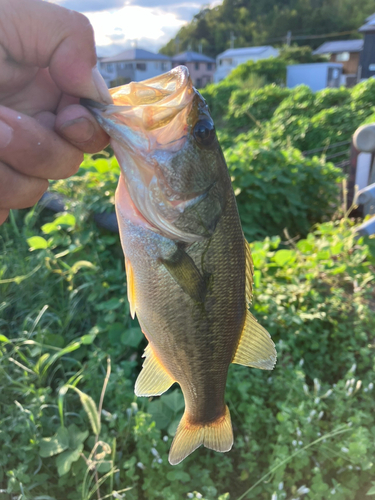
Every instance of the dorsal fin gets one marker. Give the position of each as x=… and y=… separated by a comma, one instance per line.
x=154, y=378
x=255, y=348
x=130, y=286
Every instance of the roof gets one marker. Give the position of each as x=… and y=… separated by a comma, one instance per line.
x=370, y=24
x=190, y=56
x=317, y=65
x=136, y=55
x=246, y=51
x=340, y=46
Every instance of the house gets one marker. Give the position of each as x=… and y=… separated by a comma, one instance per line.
x=133, y=65
x=201, y=67
x=317, y=76
x=346, y=52
x=231, y=58
x=367, y=59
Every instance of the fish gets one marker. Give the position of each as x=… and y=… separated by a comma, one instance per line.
x=188, y=266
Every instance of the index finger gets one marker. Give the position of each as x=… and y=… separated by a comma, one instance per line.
x=37, y=33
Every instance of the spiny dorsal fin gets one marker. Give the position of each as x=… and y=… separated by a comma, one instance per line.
x=183, y=270
x=153, y=379
x=256, y=348
x=216, y=435
x=130, y=286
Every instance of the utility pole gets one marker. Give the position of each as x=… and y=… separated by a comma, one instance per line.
x=200, y=47
x=289, y=38
x=232, y=39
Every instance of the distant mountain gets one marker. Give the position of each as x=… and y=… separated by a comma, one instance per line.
x=266, y=22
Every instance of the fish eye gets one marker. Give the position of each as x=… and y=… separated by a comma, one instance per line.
x=204, y=132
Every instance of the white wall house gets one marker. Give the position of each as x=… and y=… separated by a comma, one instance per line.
x=133, y=65
x=231, y=58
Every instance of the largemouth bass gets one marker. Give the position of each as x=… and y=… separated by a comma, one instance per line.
x=189, y=268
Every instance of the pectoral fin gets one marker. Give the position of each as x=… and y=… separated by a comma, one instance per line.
x=183, y=270
x=130, y=286
x=256, y=348
x=153, y=379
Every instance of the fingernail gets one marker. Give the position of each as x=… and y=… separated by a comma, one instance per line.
x=79, y=130
x=6, y=134
x=101, y=87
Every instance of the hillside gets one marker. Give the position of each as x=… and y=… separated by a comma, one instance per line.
x=267, y=22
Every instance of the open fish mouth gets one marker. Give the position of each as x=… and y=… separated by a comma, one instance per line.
x=150, y=114
x=149, y=122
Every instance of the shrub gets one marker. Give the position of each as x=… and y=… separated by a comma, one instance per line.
x=278, y=189
x=305, y=427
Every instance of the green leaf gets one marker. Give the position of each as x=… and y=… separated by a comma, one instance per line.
x=63, y=220
x=371, y=491
x=256, y=277
x=159, y=414
x=114, y=333
x=87, y=339
x=110, y=304
x=175, y=401
x=132, y=337
x=76, y=436
x=281, y=257
x=55, y=444
x=37, y=242
x=3, y=338
x=65, y=460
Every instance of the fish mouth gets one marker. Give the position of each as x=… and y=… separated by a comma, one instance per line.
x=152, y=114
x=147, y=117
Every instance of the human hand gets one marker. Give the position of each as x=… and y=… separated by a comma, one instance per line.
x=47, y=62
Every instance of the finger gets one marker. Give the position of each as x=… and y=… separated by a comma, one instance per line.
x=18, y=190
x=3, y=215
x=78, y=126
x=33, y=148
x=42, y=34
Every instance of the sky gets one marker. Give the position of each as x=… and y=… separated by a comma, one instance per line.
x=148, y=24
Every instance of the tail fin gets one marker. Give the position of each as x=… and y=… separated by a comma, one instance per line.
x=217, y=435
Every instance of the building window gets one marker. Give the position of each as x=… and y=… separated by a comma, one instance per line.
x=227, y=61
x=110, y=67
x=164, y=66
x=156, y=65
x=196, y=65
x=198, y=83
x=141, y=66
x=209, y=66
x=129, y=66
x=343, y=57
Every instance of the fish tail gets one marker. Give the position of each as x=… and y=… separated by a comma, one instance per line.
x=216, y=435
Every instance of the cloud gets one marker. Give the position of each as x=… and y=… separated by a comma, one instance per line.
x=91, y=5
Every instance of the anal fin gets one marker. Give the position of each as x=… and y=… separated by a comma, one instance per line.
x=255, y=348
x=216, y=435
x=153, y=379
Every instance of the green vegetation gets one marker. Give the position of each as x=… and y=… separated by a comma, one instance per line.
x=71, y=427
x=267, y=23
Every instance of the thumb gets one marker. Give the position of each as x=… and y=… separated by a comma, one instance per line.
x=37, y=33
